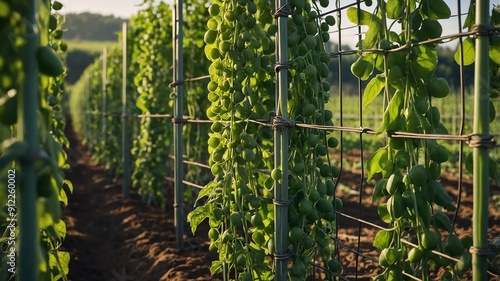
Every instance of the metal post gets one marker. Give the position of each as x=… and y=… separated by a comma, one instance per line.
x=88, y=117
x=178, y=113
x=125, y=144
x=104, y=82
x=28, y=132
x=281, y=150
x=481, y=153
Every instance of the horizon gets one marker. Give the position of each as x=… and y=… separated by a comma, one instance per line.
x=125, y=9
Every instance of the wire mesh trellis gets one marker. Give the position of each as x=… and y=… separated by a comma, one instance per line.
x=364, y=254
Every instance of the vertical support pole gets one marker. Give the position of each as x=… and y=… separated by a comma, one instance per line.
x=88, y=115
x=281, y=150
x=481, y=154
x=104, y=106
x=178, y=124
x=28, y=132
x=85, y=111
x=125, y=144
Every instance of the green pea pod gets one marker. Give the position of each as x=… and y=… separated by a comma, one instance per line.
x=48, y=62
x=442, y=197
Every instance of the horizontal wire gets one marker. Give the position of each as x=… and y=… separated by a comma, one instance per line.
x=411, y=276
x=401, y=239
x=341, y=8
x=170, y=179
x=192, y=184
x=342, y=29
x=172, y=157
x=199, y=121
x=365, y=130
x=414, y=44
x=328, y=270
x=196, y=164
x=197, y=78
x=340, y=244
x=343, y=53
x=152, y=115
x=360, y=220
x=181, y=82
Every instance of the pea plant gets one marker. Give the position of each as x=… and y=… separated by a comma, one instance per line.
x=416, y=201
x=154, y=56
x=241, y=45
x=52, y=188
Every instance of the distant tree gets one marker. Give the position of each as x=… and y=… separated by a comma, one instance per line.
x=93, y=27
x=450, y=70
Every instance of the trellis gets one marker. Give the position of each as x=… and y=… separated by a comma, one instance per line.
x=480, y=139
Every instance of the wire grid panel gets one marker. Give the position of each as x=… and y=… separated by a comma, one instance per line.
x=358, y=221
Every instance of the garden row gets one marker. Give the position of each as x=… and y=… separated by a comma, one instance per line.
x=259, y=119
x=33, y=158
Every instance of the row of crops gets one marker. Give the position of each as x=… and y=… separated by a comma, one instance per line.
x=32, y=185
x=261, y=123
x=250, y=121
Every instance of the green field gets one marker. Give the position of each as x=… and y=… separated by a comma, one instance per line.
x=91, y=46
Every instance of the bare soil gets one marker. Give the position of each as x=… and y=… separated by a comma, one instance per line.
x=112, y=239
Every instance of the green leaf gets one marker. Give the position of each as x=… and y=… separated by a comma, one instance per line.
x=59, y=264
x=69, y=184
x=197, y=216
x=207, y=190
x=384, y=213
x=495, y=51
x=372, y=34
x=382, y=239
x=394, y=8
x=495, y=16
x=63, y=197
x=373, y=165
x=425, y=63
x=471, y=15
x=216, y=267
x=378, y=190
x=60, y=226
x=392, y=113
x=363, y=67
x=365, y=18
x=436, y=9
x=468, y=53
x=373, y=89
x=44, y=217
x=141, y=104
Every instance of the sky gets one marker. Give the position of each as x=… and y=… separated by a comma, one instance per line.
x=127, y=8
x=118, y=8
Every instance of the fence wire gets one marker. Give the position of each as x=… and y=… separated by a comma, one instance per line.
x=344, y=246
